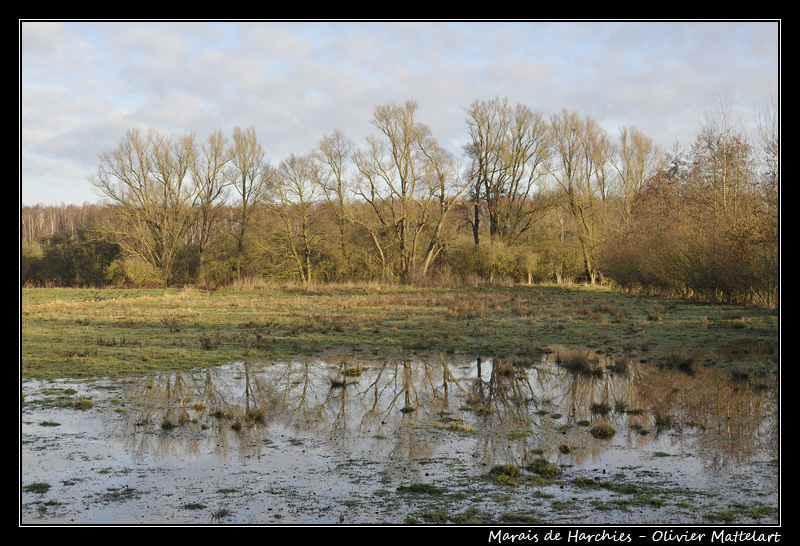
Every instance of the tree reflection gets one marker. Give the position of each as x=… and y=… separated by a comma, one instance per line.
x=512, y=409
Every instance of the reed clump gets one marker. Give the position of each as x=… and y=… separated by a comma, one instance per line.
x=582, y=362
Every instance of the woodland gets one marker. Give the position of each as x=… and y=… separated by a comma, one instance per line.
x=531, y=198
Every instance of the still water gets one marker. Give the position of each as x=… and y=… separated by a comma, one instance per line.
x=316, y=442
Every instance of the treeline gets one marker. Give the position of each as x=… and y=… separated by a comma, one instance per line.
x=529, y=199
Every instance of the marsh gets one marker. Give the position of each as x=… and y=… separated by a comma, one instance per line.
x=390, y=442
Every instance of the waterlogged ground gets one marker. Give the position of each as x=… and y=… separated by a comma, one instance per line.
x=312, y=442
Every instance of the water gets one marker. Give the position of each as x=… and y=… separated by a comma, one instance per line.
x=315, y=442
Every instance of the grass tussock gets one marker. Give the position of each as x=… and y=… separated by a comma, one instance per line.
x=681, y=362
x=37, y=487
x=507, y=474
x=603, y=431
x=547, y=469
x=581, y=362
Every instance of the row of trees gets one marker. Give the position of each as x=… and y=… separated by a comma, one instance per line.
x=531, y=198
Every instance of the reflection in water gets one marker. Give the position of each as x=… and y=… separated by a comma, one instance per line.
x=509, y=411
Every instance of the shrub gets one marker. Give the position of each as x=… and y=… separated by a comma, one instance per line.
x=131, y=272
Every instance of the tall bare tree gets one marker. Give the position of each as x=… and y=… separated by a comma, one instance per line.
x=444, y=188
x=211, y=184
x=293, y=197
x=404, y=177
x=335, y=156
x=508, y=149
x=638, y=158
x=722, y=162
x=579, y=167
x=769, y=149
x=146, y=179
x=250, y=177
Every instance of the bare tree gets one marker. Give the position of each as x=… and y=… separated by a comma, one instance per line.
x=722, y=162
x=250, y=177
x=211, y=184
x=579, y=168
x=638, y=158
x=146, y=179
x=444, y=189
x=334, y=156
x=404, y=178
x=294, y=195
x=769, y=146
x=508, y=149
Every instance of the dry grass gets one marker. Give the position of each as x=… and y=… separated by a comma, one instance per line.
x=580, y=361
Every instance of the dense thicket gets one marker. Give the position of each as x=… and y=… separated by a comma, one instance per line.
x=529, y=199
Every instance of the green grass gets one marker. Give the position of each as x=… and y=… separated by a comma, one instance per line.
x=505, y=475
x=37, y=487
x=420, y=488
x=92, y=333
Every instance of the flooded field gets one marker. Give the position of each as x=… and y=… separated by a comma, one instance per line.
x=535, y=441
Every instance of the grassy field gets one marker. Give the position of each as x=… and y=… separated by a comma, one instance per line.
x=92, y=333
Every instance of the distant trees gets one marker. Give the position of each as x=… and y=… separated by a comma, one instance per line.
x=57, y=249
x=538, y=199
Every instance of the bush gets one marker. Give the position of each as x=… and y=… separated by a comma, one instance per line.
x=492, y=261
x=130, y=271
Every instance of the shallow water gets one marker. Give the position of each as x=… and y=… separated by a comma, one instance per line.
x=314, y=442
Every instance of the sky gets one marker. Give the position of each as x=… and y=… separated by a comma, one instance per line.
x=84, y=84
